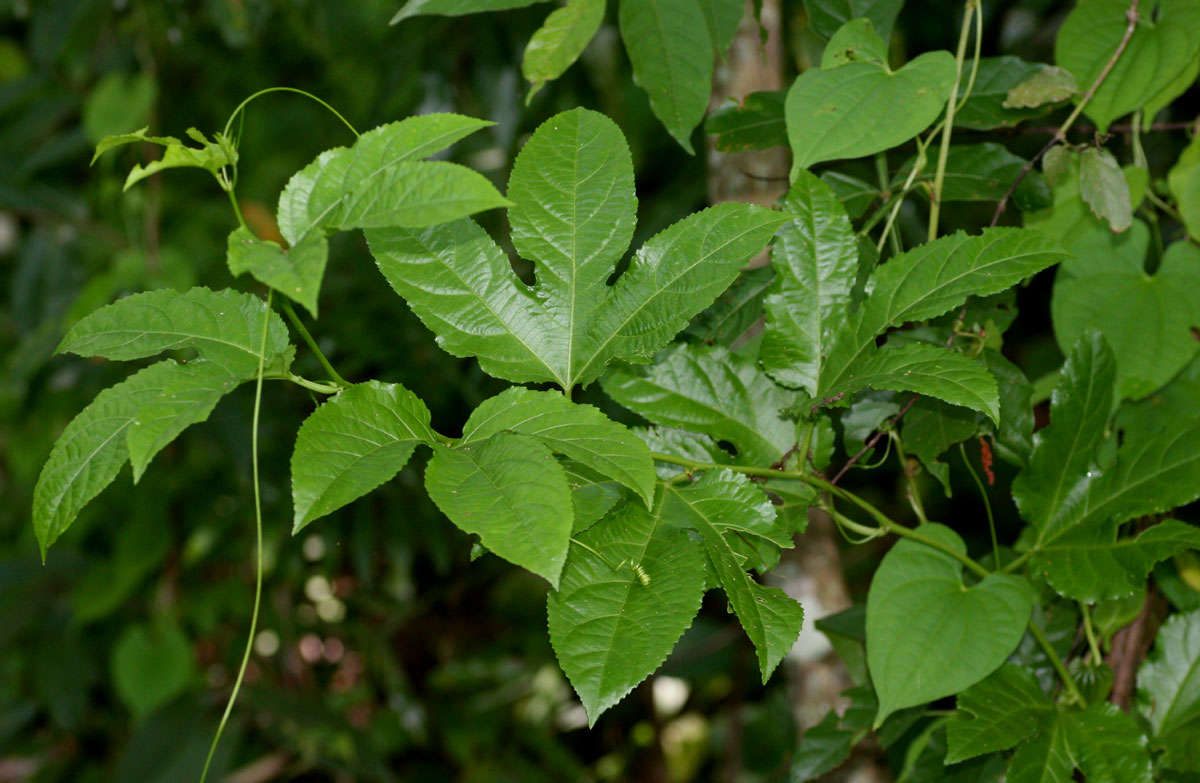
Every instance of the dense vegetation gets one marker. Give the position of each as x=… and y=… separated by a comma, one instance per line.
x=902, y=340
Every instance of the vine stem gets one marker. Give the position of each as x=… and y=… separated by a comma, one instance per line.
x=939, y=176
x=885, y=522
x=250, y=99
x=1060, y=135
x=1090, y=631
x=258, y=543
x=1057, y=663
x=305, y=335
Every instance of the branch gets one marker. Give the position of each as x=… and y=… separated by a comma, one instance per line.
x=1131, y=18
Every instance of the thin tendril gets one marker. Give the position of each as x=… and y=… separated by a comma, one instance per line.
x=241, y=106
x=258, y=543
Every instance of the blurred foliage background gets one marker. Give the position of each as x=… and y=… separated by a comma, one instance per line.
x=384, y=654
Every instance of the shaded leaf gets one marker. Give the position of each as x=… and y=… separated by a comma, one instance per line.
x=669, y=46
x=996, y=713
x=1169, y=680
x=296, y=273
x=826, y=16
x=723, y=18
x=150, y=666
x=1184, y=182
x=560, y=40
x=984, y=108
x=769, y=616
x=930, y=428
x=855, y=41
x=757, y=123
x=736, y=311
x=1048, y=85
x=456, y=7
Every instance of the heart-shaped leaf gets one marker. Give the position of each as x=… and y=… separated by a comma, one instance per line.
x=849, y=111
x=929, y=635
x=1147, y=319
x=1164, y=45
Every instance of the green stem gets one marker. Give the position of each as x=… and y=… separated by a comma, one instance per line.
x=1020, y=561
x=825, y=486
x=987, y=503
x=237, y=209
x=939, y=176
x=1056, y=662
x=290, y=312
x=914, y=496
x=319, y=388
x=879, y=214
x=1090, y=631
x=918, y=167
x=258, y=542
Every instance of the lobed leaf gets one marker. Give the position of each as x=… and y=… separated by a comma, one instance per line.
x=296, y=273
x=996, y=713
x=1169, y=680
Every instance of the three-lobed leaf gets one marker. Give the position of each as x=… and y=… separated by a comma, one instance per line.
x=575, y=212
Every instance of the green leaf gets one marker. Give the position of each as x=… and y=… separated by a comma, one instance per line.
x=815, y=259
x=118, y=102
x=769, y=616
x=296, y=273
x=1047, y=85
x=212, y=156
x=930, y=428
x=925, y=369
x=1014, y=435
x=378, y=182
x=984, y=108
x=714, y=392
x=1184, y=182
x=743, y=515
x=1091, y=564
x=757, y=123
x=924, y=283
x=574, y=216
x=826, y=16
x=677, y=273
x=723, y=18
x=1064, y=451
x=142, y=413
x=855, y=194
x=1147, y=319
x=736, y=311
x=593, y=495
x=1162, y=47
x=1101, y=741
x=579, y=432
x=855, y=41
x=1169, y=680
x=151, y=665
x=456, y=7
x=984, y=172
x=560, y=40
x=996, y=713
x=512, y=493
x=1102, y=187
x=610, y=628
x=353, y=443
x=847, y=111
x=669, y=46
x=928, y=635
x=224, y=327
x=825, y=746
x=186, y=395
